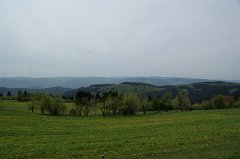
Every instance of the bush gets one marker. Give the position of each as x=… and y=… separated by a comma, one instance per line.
x=218, y=101
x=73, y=112
x=55, y=106
x=206, y=105
x=229, y=101
x=195, y=106
x=129, y=105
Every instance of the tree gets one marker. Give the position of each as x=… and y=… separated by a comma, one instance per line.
x=167, y=101
x=218, y=102
x=183, y=101
x=82, y=102
x=144, y=104
x=111, y=105
x=25, y=94
x=110, y=102
x=156, y=104
x=35, y=102
x=96, y=105
x=207, y=105
x=1, y=94
x=20, y=96
x=229, y=101
x=54, y=105
x=9, y=94
x=32, y=105
x=57, y=106
x=129, y=105
x=163, y=103
x=45, y=103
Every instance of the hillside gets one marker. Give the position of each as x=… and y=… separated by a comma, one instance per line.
x=203, y=90
x=197, y=91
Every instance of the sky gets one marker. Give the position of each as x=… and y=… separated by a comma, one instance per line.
x=112, y=38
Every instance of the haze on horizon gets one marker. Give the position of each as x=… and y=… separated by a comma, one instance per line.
x=177, y=38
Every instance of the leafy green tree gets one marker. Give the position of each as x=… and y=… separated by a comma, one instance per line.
x=110, y=100
x=54, y=105
x=167, y=101
x=163, y=103
x=112, y=104
x=144, y=104
x=1, y=94
x=57, y=106
x=156, y=104
x=183, y=101
x=83, y=102
x=35, y=102
x=218, y=102
x=96, y=105
x=33, y=105
x=45, y=103
x=129, y=105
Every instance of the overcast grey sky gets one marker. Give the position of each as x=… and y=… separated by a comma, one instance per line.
x=174, y=38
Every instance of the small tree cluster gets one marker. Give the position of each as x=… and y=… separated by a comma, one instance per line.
x=163, y=103
x=23, y=96
x=166, y=102
x=46, y=103
x=109, y=103
x=220, y=102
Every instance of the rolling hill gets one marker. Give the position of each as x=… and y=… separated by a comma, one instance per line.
x=77, y=82
x=197, y=91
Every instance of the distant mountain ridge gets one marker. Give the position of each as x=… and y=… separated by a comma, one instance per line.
x=51, y=90
x=77, y=82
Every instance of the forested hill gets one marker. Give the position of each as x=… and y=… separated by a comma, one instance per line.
x=197, y=91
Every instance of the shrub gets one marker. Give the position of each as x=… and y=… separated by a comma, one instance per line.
x=57, y=107
x=195, y=106
x=218, y=102
x=206, y=105
x=129, y=105
x=73, y=112
x=229, y=101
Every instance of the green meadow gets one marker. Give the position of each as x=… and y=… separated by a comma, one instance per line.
x=197, y=134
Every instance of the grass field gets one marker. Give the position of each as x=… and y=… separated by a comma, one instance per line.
x=197, y=134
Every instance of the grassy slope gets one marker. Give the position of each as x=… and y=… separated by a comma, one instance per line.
x=197, y=134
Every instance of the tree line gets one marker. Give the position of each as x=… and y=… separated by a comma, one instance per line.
x=113, y=103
